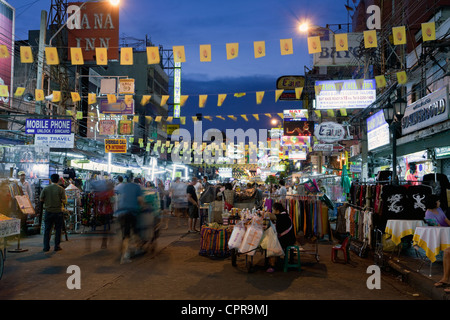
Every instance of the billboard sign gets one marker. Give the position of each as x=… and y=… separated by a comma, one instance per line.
x=119, y=107
x=93, y=25
x=377, y=131
x=345, y=94
x=116, y=145
x=295, y=115
x=48, y=126
x=329, y=132
x=298, y=128
x=330, y=57
x=288, y=84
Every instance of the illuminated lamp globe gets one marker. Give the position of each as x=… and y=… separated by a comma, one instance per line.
x=114, y=2
x=303, y=27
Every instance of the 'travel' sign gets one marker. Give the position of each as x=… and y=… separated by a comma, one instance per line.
x=96, y=25
x=116, y=145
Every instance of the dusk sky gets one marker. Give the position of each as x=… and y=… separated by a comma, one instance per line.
x=192, y=23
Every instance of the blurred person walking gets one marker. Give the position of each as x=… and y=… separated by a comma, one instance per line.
x=130, y=201
x=193, y=205
x=179, y=199
x=54, y=198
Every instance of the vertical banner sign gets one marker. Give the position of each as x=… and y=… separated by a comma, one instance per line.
x=7, y=18
x=177, y=90
x=95, y=25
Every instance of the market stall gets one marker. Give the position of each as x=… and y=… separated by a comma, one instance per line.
x=8, y=227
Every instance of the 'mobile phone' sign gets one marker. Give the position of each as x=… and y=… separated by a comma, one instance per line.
x=48, y=126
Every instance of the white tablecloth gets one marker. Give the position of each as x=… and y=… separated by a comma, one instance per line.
x=402, y=228
x=432, y=239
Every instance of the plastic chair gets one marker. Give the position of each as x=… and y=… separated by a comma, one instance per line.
x=341, y=247
x=288, y=256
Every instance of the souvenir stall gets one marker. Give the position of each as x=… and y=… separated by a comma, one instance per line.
x=8, y=227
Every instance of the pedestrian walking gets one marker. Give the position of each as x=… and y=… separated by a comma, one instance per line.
x=130, y=202
x=193, y=205
x=54, y=198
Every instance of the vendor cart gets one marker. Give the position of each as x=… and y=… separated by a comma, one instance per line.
x=8, y=227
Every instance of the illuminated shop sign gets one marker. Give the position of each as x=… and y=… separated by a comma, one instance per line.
x=345, y=94
x=377, y=131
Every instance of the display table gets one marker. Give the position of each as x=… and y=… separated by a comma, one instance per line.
x=398, y=229
x=432, y=240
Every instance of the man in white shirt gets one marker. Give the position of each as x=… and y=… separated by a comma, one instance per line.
x=26, y=187
x=282, y=191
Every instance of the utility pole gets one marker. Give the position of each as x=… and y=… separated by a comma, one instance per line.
x=40, y=69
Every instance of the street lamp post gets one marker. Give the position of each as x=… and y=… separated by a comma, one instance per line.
x=393, y=114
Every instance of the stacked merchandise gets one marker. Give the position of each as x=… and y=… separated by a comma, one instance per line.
x=214, y=240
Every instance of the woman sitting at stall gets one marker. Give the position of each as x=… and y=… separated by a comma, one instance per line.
x=434, y=214
x=285, y=231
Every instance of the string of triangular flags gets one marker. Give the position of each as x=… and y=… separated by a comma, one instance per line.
x=232, y=49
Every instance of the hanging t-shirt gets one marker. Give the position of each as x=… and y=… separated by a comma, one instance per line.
x=439, y=183
x=395, y=202
x=417, y=196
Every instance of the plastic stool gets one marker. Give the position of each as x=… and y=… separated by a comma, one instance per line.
x=288, y=255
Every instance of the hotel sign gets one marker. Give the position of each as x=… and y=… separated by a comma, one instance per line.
x=427, y=111
x=93, y=25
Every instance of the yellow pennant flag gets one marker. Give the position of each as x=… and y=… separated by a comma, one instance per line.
x=51, y=55
x=286, y=47
x=92, y=98
x=202, y=100
x=4, y=52
x=318, y=89
x=220, y=117
x=205, y=52
x=318, y=113
x=239, y=94
x=19, y=91
x=182, y=121
x=56, y=96
x=399, y=35
x=4, y=91
x=259, y=97
x=79, y=115
x=178, y=54
x=298, y=93
x=75, y=96
x=220, y=99
x=330, y=112
x=208, y=118
x=380, y=81
x=429, y=31
x=183, y=100
x=76, y=56
x=128, y=99
x=194, y=118
x=343, y=112
x=370, y=39
x=259, y=48
x=39, y=94
x=148, y=118
x=69, y=112
x=164, y=99
x=126, y=56
x=101, y=56
x=244, y=116
x=169, y=119
x=314, y=45
x=278, y=94
x=281, y=115
x=268, y=115
x=26, y=56
x=232, y=50
x=111, y=98
x=135, y=118
x=256, y=116
x=158, y=119
x=153, y=56
x=402, y=78
x=341, y=41
x=232, y=117
x=145, y=99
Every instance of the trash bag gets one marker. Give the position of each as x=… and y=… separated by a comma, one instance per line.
x=270, y=243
